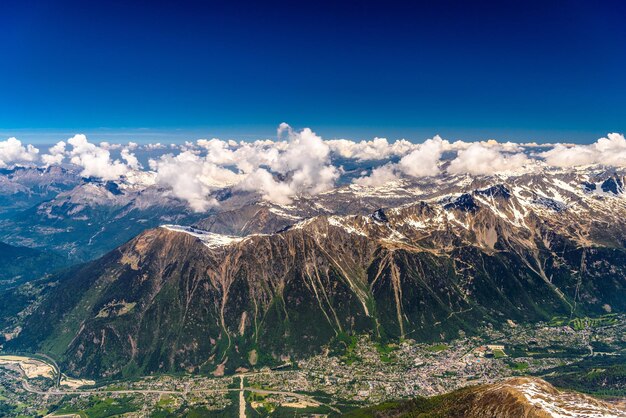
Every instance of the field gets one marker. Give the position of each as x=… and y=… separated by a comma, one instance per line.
x=579, y=324
x=97, y=407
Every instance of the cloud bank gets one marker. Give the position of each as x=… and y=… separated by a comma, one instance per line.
x=13, y=152
x=478, y=159
x=609, y=151
x=299, y=163
x=192, y=178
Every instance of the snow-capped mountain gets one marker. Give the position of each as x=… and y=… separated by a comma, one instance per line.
x=592, y=191
x=84, y=217
x=453, y=255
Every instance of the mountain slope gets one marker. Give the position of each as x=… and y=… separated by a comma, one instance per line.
x=177, y=298
x=518, y=397
x=21, y=264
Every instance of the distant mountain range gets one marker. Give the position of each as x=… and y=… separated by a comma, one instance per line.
x=24, y=187
x=258, y=284
x=80, y=218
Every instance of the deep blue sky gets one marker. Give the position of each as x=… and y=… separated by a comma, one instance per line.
x=170, y=70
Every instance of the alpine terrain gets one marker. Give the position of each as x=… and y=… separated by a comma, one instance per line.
x=522, y=248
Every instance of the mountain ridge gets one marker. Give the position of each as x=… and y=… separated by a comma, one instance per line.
x=179, y=298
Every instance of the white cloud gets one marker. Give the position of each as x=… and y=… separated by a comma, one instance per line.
x=131, y=161
x=277, y=170
x=376, y=149
x=13, y=152
x=96, y=161
x=299, y=162
x=424, y=161
x=109, y=146
x=565, y=156
x=609, y=151
x=379, y=176
x=306, y=162
x=218, y=151
x=155, y=146
x=480, y=159
x=192, y=178
x=263, y=182
x=247, y=157
x=56, y=154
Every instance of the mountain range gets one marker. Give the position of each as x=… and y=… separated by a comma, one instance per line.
x=262, y=284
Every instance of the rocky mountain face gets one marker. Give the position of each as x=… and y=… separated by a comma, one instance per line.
x=517, y=397
x=522, y=248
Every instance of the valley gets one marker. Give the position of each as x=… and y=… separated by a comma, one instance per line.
x=352, y=373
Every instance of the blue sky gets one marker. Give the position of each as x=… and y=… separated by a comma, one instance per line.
x=545, y=71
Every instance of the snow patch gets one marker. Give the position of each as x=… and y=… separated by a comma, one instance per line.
x=209, y=239
x=340, y=222
x=563, y=406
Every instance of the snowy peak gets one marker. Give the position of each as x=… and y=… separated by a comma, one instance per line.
x=464, y=203
x=497, y=191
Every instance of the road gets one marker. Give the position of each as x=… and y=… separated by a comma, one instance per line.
x=242, y=389
x=242, y=399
